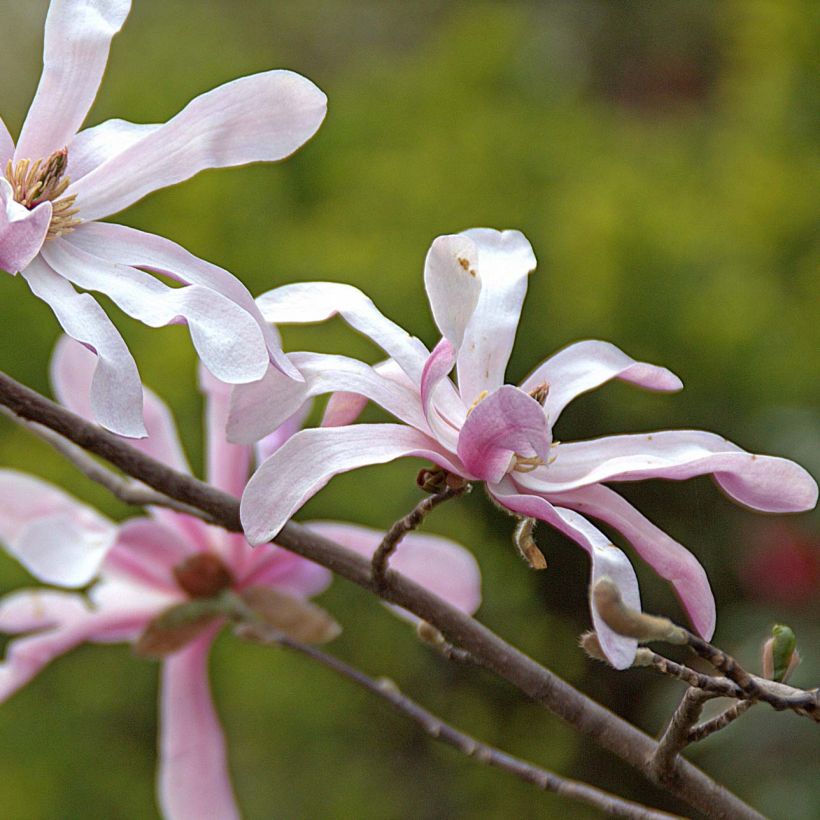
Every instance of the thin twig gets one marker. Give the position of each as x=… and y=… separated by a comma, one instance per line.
x=718, y=686
x=585, y=715
x=437, y=728
x=408, y=523
x=126, y=490
x=721, y=721
x=676, y=736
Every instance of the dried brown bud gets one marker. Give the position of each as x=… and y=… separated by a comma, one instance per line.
x=292, y=617
x=540, y=392
x=203, y=575
x=522, y=538
x=432, y=480
x=174, y=628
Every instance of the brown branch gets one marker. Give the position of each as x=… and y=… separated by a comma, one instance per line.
x=408, y=523
x=585, y=715
x=676, y=737
x=721, y=721
x=438, y=729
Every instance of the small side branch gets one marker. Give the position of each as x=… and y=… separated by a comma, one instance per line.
x=719, y=722
x=408, y=523
x=676, y=737
x=484, y=753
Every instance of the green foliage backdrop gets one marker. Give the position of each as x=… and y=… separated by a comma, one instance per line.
x=660, y=158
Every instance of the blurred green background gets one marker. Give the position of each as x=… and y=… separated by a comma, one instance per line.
x=661, y=158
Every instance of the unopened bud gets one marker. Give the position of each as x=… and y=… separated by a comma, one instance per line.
x=432, y=480
x=630, y=622
x=780, y=656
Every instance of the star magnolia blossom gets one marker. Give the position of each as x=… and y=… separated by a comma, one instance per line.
x=485, y=430
x=56, y=183
x=151, y=564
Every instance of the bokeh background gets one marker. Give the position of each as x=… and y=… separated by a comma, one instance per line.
x=662, y=160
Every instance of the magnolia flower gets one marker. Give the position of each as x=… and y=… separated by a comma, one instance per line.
x=164, y=583
x=485, y=430
x=59, y=183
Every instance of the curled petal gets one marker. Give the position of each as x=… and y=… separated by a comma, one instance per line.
x=306, y=462
x=452, y=283
x=607, y=560
x=506, y=423
x=56, y=538
x=505, y=258
x=22, y=231
x=666, y=556
x=228, y=340
x=587, y=365
x=309, y=302
x=72, y=370
x=194, y=783
x=765, y=483
x=116, y=390
x=263, y=117
x=438, y=564
x=127, y=246
x=77, y=40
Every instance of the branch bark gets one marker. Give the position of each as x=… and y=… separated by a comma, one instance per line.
x=585, y=715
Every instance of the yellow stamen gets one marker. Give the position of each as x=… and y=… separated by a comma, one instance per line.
x=479, y=398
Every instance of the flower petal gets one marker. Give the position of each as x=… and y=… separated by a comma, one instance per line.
x=444, y=567
x=273, y=441
x=116, y=391
x=22, y=231
x=586, y=365
x=308, y=302
x=93, y=146
x=275, y=567
x=128, y=246
x=765, y=483
x=227, y=339
x=607, y=560
x=306, y=462
x=71, y=371
x=506, y=423
x=194, y=783
x=78, y=36
x=452, y=283
x=443, y=409
x=666, y=556
x=261, y=118
x=6, y=145
x=56, y=538
x=505, y=258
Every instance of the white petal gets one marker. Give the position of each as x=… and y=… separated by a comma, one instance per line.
x=505, y=259
x=260, y=118
x=77, y=39
x=6, y=145
x=94, y=146
x=116, y=391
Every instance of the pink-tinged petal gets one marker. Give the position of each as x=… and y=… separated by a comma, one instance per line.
x=261, y=118
x=128, y=606
x=56, y=538
x=765, y=483
x=505, y=258
x=228, y=465
x=26, y=657
x=77, y=39
x=96, y=145
x=261, y=407
x=309, y=302
x=138, y=249
x=146, y=553
x=71, y=371
x=666, y=556
x=443, y=409
x=292, y=425
x=444, y=567
x=506, y=423
x=116, y=390
x=276, y=567
x=6, y=145
x=22, y=231
x=31, y=610
x=586, y=365
x=193, y=781
x=307, y=461
x=607, y=560
x=452, y=283
x=227, y=339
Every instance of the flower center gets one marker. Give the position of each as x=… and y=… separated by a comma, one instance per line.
x=44, y=180
x=203, y=575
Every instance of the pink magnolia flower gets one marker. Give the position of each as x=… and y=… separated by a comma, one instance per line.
x=489, y=431
x=56, y=184
x=149, y=564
